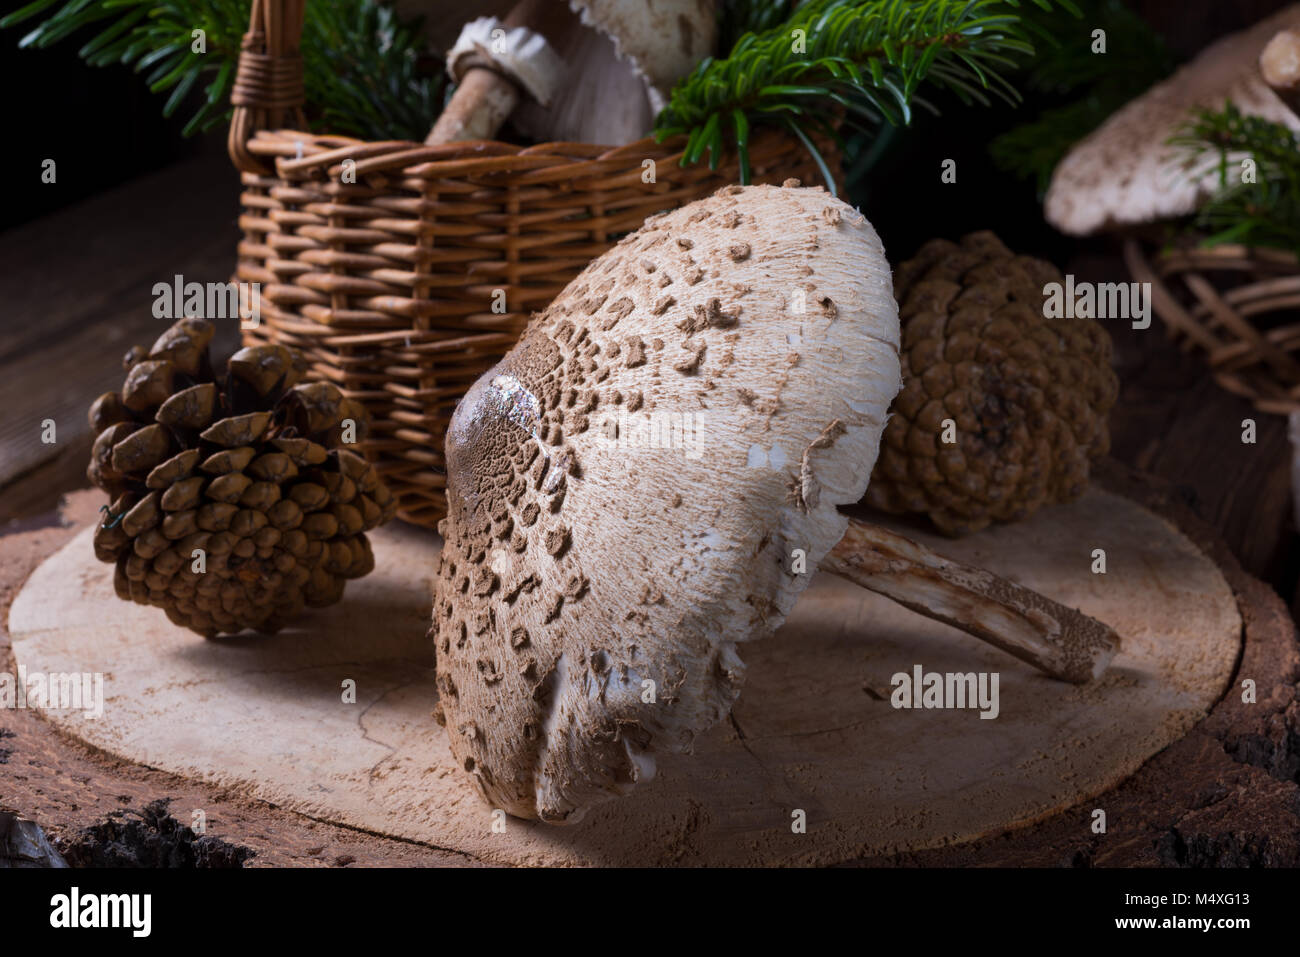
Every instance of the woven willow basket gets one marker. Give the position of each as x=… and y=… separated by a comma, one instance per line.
x=386, y=278
x=1238, y=306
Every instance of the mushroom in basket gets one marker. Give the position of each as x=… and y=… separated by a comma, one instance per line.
x=585, y=71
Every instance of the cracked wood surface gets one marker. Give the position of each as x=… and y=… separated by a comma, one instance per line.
x=68, y=786
x=61, y=338
x=1225, y=795
x=263, y=719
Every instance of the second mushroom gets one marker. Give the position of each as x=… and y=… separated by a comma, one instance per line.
x=651, y=477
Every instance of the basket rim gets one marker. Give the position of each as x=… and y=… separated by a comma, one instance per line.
x=1253, y=362
x=300, y=152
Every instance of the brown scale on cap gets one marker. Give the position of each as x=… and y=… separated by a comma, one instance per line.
x=562, y=722
x=643, y=548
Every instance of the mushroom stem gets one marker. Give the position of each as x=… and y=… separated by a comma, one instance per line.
x=1061, y=641
x=485, y=96
x=481, y=103
x=1279, y=64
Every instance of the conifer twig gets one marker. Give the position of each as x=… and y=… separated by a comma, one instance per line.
x=1259, y=209
x=365, y=70
x=853, y=63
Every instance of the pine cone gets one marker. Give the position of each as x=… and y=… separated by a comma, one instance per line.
x=245, y=467
x=1028, y=396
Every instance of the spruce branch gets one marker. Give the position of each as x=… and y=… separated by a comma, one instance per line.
x=365, y=72
x=854, y=63
x=1262, y=209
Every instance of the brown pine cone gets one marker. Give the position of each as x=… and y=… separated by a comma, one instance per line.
x=1028, y=396
x=245, y=467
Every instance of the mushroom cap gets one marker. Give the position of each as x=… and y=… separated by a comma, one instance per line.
x=1279, y=64
x=520, y=53
x=1125, y=173
x=629, y=486
x=621, y=68
x=663, y=39
x=602, y=98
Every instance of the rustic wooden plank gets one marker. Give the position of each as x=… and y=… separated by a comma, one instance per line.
x=59, y=380
x=78, y=293
x=39, y=490
x=90, y=261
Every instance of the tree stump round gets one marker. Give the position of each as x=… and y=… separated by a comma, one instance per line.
x=290, y=746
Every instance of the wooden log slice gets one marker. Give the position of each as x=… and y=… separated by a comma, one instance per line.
x=239, y=723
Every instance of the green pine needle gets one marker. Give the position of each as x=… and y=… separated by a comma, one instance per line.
x=860, y=63
x=1265, y=212
x=365, y=72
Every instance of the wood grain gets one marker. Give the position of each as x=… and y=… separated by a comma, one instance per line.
x=1173, y=422
x=70, y=788
x=263, y=716
x=77, y=293
x=1227, y=793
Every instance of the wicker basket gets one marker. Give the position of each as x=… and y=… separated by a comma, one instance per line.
x=387, y=281
x=1239, y=306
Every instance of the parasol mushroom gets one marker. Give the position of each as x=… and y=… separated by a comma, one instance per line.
x=590, y=71
x=1126, y=173
x=653, y=474
x=495, y=64
x=1279, y=65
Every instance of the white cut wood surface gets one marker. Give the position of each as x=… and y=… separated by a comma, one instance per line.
x=813, y=729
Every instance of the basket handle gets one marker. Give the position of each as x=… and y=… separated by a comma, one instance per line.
x=268, y=90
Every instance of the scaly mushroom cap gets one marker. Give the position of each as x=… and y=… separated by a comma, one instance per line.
x=631, y=485
x=1125, y=173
